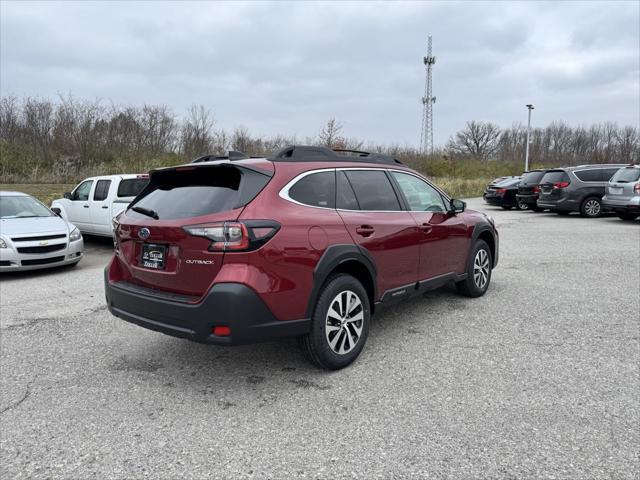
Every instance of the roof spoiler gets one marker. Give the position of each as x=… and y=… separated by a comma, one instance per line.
x=231, y=156
x=303, y=153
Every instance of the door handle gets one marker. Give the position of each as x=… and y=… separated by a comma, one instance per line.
x=105, y=206
x=86, y=206
x=426, y=228
x=365, y=230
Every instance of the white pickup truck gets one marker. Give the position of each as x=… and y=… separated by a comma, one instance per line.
x=92, y=205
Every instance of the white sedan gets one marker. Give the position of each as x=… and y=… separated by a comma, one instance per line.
x=32, y=236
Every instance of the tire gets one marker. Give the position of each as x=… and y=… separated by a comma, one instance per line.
x=627, y=216
x=478, y=271
x=522, y=204
x=506, y=208
x=332, y=349
x=591, y=207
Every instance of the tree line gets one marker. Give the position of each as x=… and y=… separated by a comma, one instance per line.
x=43, y=140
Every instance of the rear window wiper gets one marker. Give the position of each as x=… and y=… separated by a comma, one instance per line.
x=146, y=211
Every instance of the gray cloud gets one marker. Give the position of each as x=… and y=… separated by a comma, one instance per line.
x=288, y=67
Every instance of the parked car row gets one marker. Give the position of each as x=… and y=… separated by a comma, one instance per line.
x=34, y=236
x=586, y=189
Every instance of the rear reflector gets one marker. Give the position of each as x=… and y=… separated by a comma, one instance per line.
x=221, y=331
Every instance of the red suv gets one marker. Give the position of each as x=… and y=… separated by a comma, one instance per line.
x=306, y=243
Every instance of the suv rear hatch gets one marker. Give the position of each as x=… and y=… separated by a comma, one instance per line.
x=529, y=183
x=553, y=185
x=173, y=237
x=623, y=186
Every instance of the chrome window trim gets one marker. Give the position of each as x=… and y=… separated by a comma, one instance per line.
x=284, y=191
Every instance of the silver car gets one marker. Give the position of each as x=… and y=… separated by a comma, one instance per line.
x=32, y=236
x=623, y=193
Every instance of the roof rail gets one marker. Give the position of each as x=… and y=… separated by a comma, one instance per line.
x=303, y=153
x=231, y=156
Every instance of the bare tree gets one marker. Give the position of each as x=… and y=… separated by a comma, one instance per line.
x=478, y=140
x=330, y=135
x=197, y=132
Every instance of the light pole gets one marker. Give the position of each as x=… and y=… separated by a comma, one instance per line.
x=526, y=155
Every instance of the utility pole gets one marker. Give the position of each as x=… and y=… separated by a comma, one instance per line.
x=426, y=135
x=526, y=155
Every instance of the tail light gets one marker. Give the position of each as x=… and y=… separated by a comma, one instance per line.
x=536, y=189
x=235, y=236
x=501, y=191
x=636, y=189
x=558, y=185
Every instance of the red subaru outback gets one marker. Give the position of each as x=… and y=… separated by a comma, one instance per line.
x=304, y=244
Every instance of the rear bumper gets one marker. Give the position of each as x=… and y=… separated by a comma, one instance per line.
x=625, y=205
x=565, y=204
x=496, y=200
x=531, y=199
x=227, y=304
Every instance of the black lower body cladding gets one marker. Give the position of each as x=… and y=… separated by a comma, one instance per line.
x=227, y=304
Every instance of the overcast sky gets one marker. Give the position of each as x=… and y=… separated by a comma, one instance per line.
x=288, y=67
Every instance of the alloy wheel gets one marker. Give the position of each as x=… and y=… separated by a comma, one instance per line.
x=592, y=208
x=481, y=268
x=344, y=322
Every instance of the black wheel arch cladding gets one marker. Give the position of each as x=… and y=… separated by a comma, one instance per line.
x=331, y=260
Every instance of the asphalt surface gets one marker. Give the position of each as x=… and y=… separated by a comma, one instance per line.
x=537, y=379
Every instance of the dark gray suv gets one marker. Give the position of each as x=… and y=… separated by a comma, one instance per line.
x=576, y=189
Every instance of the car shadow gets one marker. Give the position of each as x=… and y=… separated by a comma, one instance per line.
x=271, y=369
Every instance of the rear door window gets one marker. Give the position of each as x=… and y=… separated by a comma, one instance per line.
x=593, y=175
x=199, y=191
x=102, y=190
x=316, y=190
x=373, y=190
x=626, y=175
x=131, y=187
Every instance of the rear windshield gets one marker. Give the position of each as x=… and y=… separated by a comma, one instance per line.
x=626, y=175
x=555, y=176
x=131, y=186
x=200, y=191
x=532, y=177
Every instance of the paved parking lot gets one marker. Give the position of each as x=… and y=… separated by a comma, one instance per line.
x=538, y=379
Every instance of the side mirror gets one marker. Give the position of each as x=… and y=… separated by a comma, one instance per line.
x=457, y=206
x=57, y=211
x=68, y=195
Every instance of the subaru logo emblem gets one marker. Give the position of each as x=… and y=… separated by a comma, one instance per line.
x=144, y=233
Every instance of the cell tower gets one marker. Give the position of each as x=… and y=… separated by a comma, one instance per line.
x=426, y=136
